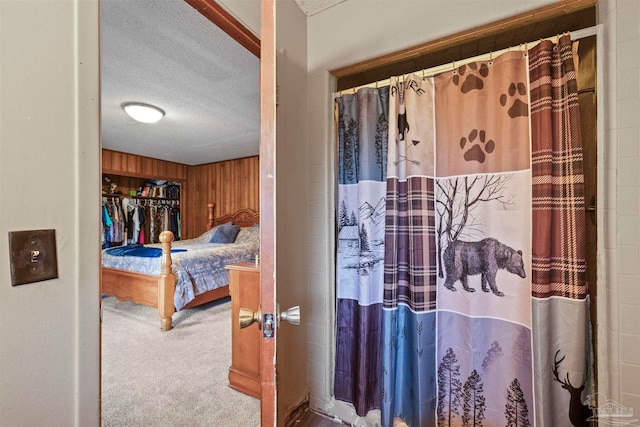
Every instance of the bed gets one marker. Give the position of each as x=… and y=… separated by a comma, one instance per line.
x=187, y=273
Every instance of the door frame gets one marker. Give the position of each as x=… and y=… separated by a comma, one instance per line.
x=218, y=16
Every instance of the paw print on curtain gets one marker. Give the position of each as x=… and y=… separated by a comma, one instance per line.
x=476, y=146
x=481, y=115
x=470, y=76
x=513, y=98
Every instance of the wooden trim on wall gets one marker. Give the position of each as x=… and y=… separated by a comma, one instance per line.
x=133, y=165
x=227, y=23
x=473, y=37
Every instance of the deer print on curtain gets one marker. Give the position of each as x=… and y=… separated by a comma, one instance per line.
x=481, y=252
x=563, y=368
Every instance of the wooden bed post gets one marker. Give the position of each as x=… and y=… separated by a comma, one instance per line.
x=166, y=283
x=210, y=207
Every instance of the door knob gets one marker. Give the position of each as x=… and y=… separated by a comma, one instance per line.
x=291, y=315
x=247, y=318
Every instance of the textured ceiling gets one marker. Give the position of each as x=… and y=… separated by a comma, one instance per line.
x=167, y=54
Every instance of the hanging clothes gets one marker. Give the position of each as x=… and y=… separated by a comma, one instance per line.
x=174, y=221
x=132, y=221
x=113, y=224
x=135, y=219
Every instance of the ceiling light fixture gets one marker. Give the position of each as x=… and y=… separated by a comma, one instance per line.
x=143, y=113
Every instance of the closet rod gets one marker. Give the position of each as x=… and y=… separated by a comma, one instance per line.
x=126, y=196
x=429, y=72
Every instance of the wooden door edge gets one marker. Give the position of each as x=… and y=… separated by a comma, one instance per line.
x=268, y=402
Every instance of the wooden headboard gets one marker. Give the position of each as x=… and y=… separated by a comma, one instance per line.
x=241, y=218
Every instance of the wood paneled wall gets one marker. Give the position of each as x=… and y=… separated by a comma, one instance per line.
x=231, y=185
x=117, y=163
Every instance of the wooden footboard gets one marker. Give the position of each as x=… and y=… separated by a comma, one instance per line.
x=158, y=291
x=143, y=289
x=129, y=286
x=166, y=283
x=154, y=291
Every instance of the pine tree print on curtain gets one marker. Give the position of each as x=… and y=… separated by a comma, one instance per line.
x=474, y=403
x=483, y=233
x=362, y=149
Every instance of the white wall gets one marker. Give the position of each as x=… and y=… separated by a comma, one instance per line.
x=49, y=178
x=619, y=306
x=367, y=29
x=248, y=12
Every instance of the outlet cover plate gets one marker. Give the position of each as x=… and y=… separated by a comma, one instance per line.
x=33, y=256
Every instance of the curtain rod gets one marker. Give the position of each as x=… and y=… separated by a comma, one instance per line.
x=557, y=9
x=429, y=72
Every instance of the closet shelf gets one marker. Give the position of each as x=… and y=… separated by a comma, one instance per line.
x=126, y=196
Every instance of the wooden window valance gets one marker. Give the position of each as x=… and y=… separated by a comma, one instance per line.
x=547, y=21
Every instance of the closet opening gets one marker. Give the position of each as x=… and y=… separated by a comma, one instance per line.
x=579, y=18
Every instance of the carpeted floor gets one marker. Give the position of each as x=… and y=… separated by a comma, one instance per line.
x=177, y=378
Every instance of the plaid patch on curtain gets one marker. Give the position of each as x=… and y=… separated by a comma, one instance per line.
x=558, y=258
x=410, y=275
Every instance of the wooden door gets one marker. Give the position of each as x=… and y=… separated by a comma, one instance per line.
x=267, y=208
x=284, y=212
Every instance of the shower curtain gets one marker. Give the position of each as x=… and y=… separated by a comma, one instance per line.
x=483, y=278
x=563, y=362
x=362, y=153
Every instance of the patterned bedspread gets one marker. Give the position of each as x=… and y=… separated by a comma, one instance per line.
x=200, y=268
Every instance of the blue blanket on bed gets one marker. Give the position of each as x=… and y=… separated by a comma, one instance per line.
x=139, y=250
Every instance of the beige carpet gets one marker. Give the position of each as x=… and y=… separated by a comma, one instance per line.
x=177, y=378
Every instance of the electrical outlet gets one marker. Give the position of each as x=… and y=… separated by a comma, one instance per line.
x=33, y=256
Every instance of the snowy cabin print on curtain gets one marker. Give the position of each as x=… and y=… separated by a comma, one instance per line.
x=362, y=161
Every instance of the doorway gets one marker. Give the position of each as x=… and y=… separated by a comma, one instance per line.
x=131, y=163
